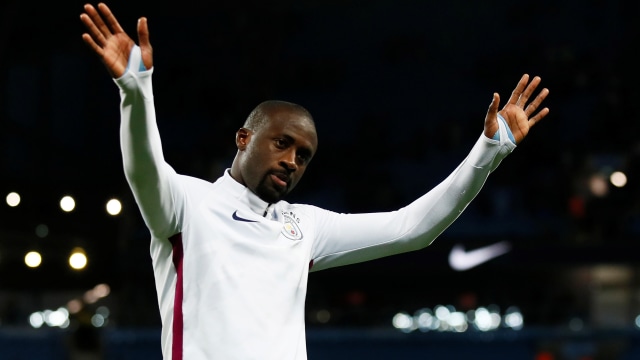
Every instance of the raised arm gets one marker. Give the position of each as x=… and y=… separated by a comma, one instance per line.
x=131, y=66
x=350, y=238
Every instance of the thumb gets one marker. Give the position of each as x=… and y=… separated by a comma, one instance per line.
x=145, y=44
x=495, y=103
x=491, y=120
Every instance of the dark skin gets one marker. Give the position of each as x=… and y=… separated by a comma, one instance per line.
x=272, y=159
x=269, y=159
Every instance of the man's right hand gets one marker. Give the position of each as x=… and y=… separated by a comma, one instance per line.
x=109, y=41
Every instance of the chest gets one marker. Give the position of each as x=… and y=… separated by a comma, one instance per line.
x=230, y=237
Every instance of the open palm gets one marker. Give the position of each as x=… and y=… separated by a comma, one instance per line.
x=109, y=41
x=516, y=112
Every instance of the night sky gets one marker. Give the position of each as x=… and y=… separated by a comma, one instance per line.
x=398, y=90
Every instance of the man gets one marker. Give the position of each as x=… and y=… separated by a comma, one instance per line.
x=231, y=258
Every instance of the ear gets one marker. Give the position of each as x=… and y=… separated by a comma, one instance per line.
x=243, y=136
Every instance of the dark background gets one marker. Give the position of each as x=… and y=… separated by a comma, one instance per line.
x=398, y=89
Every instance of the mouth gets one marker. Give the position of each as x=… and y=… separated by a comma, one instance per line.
x=280, y=179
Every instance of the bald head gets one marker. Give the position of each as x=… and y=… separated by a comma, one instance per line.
x=260, y=115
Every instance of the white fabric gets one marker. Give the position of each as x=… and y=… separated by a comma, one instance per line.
x=244, y=283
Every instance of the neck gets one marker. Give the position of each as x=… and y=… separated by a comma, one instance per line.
x=235, y=174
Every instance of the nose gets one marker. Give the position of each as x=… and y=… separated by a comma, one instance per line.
x=288, y=161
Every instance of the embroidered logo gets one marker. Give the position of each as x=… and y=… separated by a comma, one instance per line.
x=235, y=216
x=290, y=228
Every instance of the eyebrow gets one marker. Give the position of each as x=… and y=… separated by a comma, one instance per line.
x=303, y=149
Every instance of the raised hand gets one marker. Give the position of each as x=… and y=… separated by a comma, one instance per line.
x=518, y=115
x=109, y=41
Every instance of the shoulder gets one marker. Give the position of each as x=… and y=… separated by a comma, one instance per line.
x=192, y=186
x=196, y=182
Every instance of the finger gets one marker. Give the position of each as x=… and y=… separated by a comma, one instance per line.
x=531, y=108
x=100, y=30
x=515, y=95
x=524, y=97
x=539, y=116
x=145, y=44
x=491, y=119
x=495, y=104
x=111, y=20
x=143, y=32
x=88, y=39
x=93, y=30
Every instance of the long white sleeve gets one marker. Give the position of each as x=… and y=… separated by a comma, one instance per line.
x=351, y=238
x=146, y=171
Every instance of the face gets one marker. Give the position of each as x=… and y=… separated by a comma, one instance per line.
x=273, y=159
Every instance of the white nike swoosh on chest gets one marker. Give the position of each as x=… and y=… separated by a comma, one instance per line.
x=460, y=259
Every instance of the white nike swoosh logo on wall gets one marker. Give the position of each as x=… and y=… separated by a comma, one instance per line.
x=460, y=259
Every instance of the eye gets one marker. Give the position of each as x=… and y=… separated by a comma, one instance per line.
x=304, y=157
x=280, y=143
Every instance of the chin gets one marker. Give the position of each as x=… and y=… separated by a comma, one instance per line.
x=270, y=196
x=269, y=193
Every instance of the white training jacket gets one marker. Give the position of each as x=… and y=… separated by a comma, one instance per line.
x=231, y=283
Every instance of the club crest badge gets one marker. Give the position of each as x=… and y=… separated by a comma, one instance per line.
x=290, y=228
